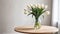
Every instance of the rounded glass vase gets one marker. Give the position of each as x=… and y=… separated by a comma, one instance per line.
x=37, y=25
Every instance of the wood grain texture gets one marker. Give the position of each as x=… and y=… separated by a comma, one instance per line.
x=42, y=33
x=31, y=30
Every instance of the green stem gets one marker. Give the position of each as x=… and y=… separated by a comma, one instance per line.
x=36, y=21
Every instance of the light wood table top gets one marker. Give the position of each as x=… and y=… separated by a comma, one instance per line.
x=42, y=30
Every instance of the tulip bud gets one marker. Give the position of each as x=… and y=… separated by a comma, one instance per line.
x=43, y=6
x=31, y=4
x=28, y=6
x=29, y=11
x=47, y=12
x=46, y=6
x=39, y=6
x=25, y=12
x=36, y=5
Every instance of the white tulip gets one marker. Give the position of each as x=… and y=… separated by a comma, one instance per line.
x=36, y=5
x=28, y=6
x=42, y=6
x=47, y=12
x=29, y=11
x=25, y=12
x=39, y=6
x=46, y=6
x=31, y=4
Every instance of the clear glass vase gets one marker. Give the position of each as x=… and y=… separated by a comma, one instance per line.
x=37, y=24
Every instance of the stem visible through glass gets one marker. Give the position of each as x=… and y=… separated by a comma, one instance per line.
x=37, y=24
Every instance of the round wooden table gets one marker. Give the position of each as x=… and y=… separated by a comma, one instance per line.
x=31, y=30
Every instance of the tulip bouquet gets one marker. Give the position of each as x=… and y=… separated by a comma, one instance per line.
x=36, y=10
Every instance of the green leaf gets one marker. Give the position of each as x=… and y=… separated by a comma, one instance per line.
x=36, y=12
x=28, y=14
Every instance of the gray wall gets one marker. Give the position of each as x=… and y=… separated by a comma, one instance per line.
x=12, y=14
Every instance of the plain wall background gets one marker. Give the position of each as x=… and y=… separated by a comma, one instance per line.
x=12, y=14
